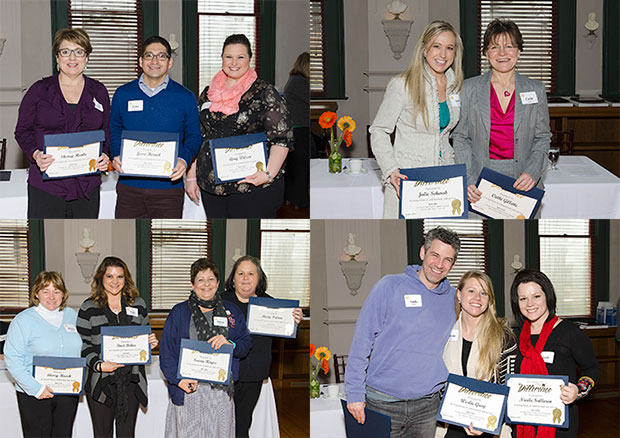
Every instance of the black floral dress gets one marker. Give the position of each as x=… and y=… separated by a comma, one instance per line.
x=261, y=109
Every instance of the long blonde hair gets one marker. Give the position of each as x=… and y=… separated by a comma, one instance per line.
x=416, y=75
x=492, y=330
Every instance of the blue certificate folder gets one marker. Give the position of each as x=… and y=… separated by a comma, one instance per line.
x=205, y=347
x=126, y=331
x=506, y=183
x=236, y=142
x=477, y=386
x=62, y=363
x=559, y=380
x=274, y=304
x=375, y=425
x=433, y=174
x=151, y=137
x=72, y=140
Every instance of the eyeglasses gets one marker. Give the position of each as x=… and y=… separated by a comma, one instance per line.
x=497, y=48
x=65, y=53
x=150, y=56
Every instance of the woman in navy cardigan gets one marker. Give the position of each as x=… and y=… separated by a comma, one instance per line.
x=205, y=317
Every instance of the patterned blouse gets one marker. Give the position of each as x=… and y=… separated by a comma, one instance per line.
x=261, y=109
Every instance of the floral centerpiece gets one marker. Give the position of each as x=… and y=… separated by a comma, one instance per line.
x=346, y=125
x=322, y=354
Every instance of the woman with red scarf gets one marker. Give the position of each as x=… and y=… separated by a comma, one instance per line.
x=550, y=345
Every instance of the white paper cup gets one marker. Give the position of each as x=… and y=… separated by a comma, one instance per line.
x=355, y=164
x=333, y=391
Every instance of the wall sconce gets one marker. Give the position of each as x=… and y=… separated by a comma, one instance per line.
x=397, y=30
x=353, y=270
x=2, y=41
x=591, y=26
x=87, y=260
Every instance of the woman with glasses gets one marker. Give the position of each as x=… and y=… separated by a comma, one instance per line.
x=504, y=117
x=66, y=102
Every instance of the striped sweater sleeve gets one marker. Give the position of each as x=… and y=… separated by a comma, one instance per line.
x=91, y=341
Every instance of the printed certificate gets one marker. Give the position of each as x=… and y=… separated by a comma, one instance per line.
x=199, y=361
x=64, y=375
x=434, y=192
x=473, y=401
x=128, y=344
x=74, y=154
x=271, y=317
x=500, y=200
x=234, y=158
x=149, y=154
x=535, y=399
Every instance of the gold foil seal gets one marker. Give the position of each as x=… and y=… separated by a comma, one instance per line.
x=492, y=420
x=91, y=165
x=221, y=375
x=142, y=356
x=259, y=166
x=76, y=386
x=456, y=207
x=167, y=167
x=520, y=216
x=557, y=415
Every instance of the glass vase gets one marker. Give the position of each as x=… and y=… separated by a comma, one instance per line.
x=335, y=161
x=315, y=388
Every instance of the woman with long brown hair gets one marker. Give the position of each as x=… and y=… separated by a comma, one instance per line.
x=113, y=391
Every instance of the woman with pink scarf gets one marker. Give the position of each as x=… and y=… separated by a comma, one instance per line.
x=237, y=103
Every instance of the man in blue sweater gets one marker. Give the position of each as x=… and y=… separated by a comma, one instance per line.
x=154, y=103
x=395, y=364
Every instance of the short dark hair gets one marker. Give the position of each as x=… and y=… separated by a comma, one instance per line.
x=202, y=265
x=446, y=236
x=261, y=287
x=237, y=38
x=500, y=26
x=531, y=276
x=156, y=39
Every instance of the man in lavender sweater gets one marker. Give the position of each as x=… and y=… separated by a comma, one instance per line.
x=395, y=364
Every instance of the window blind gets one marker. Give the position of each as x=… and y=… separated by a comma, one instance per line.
x=566, y=257
x=537, y=21
x=175, y=245
x=285, y=258
x=218, y=19
x=474, y=243
x=14, y=265
x=115, y=31
x=317, y=52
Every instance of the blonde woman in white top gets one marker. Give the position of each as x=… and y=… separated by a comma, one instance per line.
x=422, y=106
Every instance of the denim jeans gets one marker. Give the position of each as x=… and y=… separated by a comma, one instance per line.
x=410, y=418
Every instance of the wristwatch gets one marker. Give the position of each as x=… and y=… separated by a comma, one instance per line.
x=270, y=179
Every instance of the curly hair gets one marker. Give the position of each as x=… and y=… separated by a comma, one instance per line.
x=98, y=293
x=44, y=279
x=262, y=278
x=202, y=265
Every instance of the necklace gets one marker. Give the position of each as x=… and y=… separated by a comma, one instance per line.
x=507, y=93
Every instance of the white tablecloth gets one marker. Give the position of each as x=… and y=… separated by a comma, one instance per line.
x=14, y=198
x=579, y=189
x=326, y=417
x=151, y=421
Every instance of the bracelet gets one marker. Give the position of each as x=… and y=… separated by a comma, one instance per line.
x=585, y=384
x=190, y=179
x=233, y=344
x=270, y=179
x=98, y=366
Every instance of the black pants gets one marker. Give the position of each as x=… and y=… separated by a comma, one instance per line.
x=103, y=419
x=297, y=174
x=246, y=396
x=51, y=417
x=42, y=205
x=261, y=203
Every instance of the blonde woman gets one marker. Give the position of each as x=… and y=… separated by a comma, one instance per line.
x=482, y=346
x=422, y=106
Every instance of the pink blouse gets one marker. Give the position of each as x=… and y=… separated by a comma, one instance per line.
x=502, y=138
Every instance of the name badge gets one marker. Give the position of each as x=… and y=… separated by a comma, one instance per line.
x=548, y=356
x=70, y=328
x=220, y=321
x=205, y=106
x=413, y=300
x=97, y=105
x=454, y=335
x=131, y=311
x=528, y=97
x=134, y=105
x=455, y=100
x=2, y=338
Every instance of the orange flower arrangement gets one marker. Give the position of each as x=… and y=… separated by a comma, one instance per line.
x=346, y=124
x=327, y=119
x=322, y=354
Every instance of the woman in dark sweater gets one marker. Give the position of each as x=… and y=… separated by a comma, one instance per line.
x=550, y=345
x=247, y=279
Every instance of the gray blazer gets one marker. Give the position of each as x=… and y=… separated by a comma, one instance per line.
x=531, y=129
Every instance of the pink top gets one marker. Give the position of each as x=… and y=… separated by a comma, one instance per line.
x=502, y=138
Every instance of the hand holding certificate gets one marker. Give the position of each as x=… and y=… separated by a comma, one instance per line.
x=271, y=317
x=235, y=158
x=127, y=345
x=199, y=361
x=149, y=154
x=473, y=401
x=433, y=192
x=535, y=400
x=73, y=154
x=500, y=200
x=64, y=375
